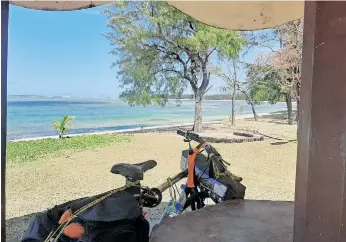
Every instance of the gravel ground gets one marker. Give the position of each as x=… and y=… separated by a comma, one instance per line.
x=267, y=168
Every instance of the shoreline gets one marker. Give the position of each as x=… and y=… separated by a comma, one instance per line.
x=123, y=131
x=134, y=130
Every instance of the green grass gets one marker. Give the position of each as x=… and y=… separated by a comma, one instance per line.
x=28, y=151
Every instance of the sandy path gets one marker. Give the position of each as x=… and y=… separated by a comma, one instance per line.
x=268, y=170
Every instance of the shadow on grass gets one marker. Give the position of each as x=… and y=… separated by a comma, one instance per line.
x=268, y=136
x=284, y=142
x=279, y=115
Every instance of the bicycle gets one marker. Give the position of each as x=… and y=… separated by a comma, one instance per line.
x=207, y=178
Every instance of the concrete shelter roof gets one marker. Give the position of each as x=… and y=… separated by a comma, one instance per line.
x=235, y=15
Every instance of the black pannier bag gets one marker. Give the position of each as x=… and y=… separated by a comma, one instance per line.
x=215, y=176
x=117, y=218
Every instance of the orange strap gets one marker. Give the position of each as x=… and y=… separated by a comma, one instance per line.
x=73, y=230
x=191, y=168
x=66, y=216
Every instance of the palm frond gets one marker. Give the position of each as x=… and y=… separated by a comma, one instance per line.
x=62, y=127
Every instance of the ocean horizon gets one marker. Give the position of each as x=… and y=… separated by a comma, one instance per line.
x=31, y=116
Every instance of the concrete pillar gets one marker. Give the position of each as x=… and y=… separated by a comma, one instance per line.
x=320, y=203
x=4, y=49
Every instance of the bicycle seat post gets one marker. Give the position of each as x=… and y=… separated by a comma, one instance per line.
x=133, y=186
x=130, y=182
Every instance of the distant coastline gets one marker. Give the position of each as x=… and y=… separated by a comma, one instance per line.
x=118, y=99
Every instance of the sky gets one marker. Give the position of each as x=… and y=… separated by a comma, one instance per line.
x=60, y=53
x=64, y=54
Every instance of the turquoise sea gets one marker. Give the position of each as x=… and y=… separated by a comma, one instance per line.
x=30, y=116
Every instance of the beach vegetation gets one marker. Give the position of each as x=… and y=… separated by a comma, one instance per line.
x=28, y=151
x=162, y=52
x=63, y=126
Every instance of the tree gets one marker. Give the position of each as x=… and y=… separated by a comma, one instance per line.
x=265, y=83
x=231, y=78
x=62, y=128
x=287, y=62
x=281, y=69
x=160, y=52
x=252, y=88
x=277, y=89
x=255, y=87
x=246, y=90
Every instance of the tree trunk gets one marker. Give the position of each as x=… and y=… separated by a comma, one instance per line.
x=289, y=108
x=298, y=99
x=249, y=101
x=197, y=126
x=297, y=115
x=233, y=105
x=255, y=116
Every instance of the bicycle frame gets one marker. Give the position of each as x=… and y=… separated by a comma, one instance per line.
x=175, y=208
x=199, y=185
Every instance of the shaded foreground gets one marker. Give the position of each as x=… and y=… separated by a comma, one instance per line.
x=244, y=220
x=267, y=167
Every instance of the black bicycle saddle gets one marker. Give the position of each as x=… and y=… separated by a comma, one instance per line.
x=133, y=171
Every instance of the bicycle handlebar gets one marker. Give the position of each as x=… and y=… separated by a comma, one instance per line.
x=195, y=137
x=191, y=136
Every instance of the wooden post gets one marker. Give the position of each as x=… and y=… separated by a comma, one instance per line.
x=320, y=202
x=4, y=50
